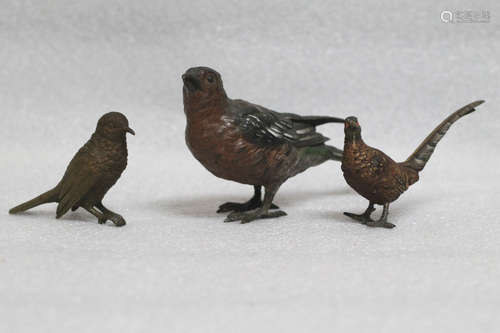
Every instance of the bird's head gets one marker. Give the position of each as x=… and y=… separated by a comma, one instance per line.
x=352, y=129
x=114, y=126
x=202, y=86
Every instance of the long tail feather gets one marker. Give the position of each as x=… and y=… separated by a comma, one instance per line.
x=49, y=196
x=423, y=153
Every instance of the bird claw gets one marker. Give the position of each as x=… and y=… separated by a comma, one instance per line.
x=252, y=216
x=237, y=207
x=363, y=218
x=242, y=207
x=380, y=224
x=118, y=220
x=367, y=220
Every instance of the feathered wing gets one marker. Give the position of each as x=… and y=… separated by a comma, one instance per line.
x=266, y=127
x=82, y=174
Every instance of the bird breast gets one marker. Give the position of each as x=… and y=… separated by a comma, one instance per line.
x=373, y=174
x=218, y=144
x=111, y=156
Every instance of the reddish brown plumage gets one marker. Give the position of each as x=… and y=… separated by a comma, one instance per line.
x=377, y=177
x=216, y=141
x=247, y=143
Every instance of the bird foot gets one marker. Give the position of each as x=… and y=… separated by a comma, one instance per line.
x=118, y=220
x=363, y=218
x=253, y=215
x=242, y=207
x=368, y=221
x=380, y=224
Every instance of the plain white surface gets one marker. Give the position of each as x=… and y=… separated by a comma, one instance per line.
x=176, y=267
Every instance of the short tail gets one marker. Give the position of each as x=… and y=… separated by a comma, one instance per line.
x=49, y=196
x=423, y=153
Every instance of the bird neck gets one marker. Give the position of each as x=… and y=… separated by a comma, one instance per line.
x=353, y=139
x=99, y=138
x=196, y=111
x=353, y=136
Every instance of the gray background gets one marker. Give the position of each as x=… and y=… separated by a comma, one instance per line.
x=176, y=267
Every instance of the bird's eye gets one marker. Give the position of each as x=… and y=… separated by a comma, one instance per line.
x=210, y=78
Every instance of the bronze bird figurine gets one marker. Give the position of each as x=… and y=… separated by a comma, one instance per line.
x=247, y=143
x=375, y=176
x=91, y=173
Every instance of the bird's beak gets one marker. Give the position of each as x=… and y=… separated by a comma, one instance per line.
x=351, y=122
x=191, y=82
x=129, y=130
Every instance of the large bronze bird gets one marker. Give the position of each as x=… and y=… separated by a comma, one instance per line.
x=249, y=144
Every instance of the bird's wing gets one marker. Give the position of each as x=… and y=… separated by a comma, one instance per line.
x=265, y=127
x=82, y=174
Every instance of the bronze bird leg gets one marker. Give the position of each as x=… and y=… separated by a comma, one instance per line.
x=117, y=219
x=105, y=215
x=100, y=216
x=382, y=222
x=253, y=203
x=367, y=220
x=261, y=212
x=365, y=217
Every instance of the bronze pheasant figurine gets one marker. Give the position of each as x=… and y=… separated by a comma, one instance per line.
x=91, y=173
x=377, y=177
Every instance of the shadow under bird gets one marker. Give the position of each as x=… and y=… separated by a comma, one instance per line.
x=91, y=173
x=247, y=143
x=375, y=176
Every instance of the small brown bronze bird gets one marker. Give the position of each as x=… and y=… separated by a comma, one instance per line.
x=377, y=177
x=249, y=144
x=91, y=173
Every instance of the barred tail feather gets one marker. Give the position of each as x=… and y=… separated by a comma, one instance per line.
x=423, y=153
